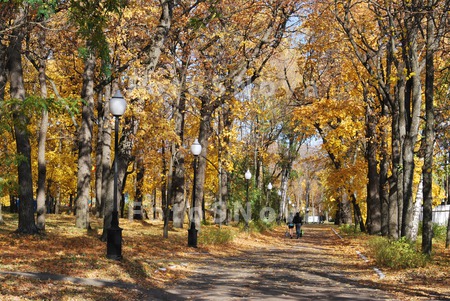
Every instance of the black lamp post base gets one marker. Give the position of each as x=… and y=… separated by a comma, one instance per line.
x=114, y=243
x=192, y=236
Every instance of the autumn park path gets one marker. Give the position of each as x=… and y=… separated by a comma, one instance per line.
x=303, y=269
x=309, y=268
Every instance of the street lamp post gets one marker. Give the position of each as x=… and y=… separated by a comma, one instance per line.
x=117, y=106
x=269, y=188
x=248, y=176
x=280, y=215
x=307, y=215
x=196, y=149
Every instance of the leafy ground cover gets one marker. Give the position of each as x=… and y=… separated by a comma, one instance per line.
x=431, y=282
x=151, y=261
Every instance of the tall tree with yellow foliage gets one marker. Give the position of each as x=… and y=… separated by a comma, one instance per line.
x=20, y=117
x=395, y=36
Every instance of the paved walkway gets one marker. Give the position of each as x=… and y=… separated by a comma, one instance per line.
x=297, y=270
x=293, y=269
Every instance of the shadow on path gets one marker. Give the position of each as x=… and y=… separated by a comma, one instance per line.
x=293, y=270
x=287, y=269
x=150, y=294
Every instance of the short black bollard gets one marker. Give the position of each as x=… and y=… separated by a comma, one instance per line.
x=192, y=236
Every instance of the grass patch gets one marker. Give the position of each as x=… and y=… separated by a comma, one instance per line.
x=396, y=254
x=216, y=236
x=260, y=226
x=439, y=232
x=349, y=229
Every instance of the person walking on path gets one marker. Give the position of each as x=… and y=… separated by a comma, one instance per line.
x=290, y=223
x=298, y=220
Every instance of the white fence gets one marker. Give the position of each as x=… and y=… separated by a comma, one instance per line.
x=440, y=215
x=313, y=219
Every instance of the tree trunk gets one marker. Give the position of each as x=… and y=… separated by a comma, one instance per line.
x=393, y=208
x=164, y=197
x=3, y=80
x=447, y=176
x=412, y=122
x=17, y=91
x=137, y=206
x=373, y=185
x=154, y=204
x=223, y=174
x=283, y=214
x=396, y=179
x=124, y=157
x=122, y=192
x=398, y=137
x=42, y=165
x=105, y=169
x=408, y=175
x=417, y=209
x=85, y=145
x=384, y=182
x=447, y=241
x=3, y=67
x=219, y=208
x=178, y=174
x=58, y=200
x=205, y=132
x=2, y=222
x=98, y=155
x=427, y=169
x=357, y=213
x=346, y=210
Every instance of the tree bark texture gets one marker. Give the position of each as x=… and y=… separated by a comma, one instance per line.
x=17, y=91
x=42, y=136
x=106, y=154
x=101, y=122
x=85, y=145
x=139, y=195
x=205, y=132
x=373, y=185
x=3, y=68
x=384, y=180
x=357, y=212
x=178, y=174
x=412, y=115
x=427, y=169
x=223, y=157
x=417, y=210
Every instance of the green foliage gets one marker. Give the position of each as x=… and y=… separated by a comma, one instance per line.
x=7, y=186
x=92, y=18
x=215, y=236
x=260, y=226
x=33, y=104
x=397, y=254
x=197, y=22
x=295, y=174
x=439, y=232
x=350, y=229
x=44, y=8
